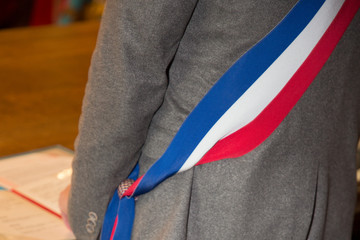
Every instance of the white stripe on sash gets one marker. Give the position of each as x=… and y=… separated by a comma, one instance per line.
x=269, y=84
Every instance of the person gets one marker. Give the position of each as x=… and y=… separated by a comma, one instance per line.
x=153, y=62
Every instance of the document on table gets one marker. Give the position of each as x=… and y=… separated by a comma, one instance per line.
x=20, y=219
x=29, y=198
x=38, y=175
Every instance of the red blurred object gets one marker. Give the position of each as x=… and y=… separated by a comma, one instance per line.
x=42, y=12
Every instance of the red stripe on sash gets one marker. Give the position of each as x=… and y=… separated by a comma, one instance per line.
x=114, y=228
x=132, y=188
x=250, y=136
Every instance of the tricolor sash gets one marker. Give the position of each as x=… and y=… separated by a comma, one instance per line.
x=247, y=103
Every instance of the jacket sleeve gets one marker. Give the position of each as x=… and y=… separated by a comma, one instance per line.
x=127, y=82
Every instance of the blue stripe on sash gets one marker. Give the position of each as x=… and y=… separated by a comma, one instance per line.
x=110, y=217
x=124, y=209
x=227, y=91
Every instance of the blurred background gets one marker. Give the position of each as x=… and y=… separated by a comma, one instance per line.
x=20, y=13
x=45, y=53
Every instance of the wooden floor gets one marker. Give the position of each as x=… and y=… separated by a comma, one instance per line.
x=43, y=72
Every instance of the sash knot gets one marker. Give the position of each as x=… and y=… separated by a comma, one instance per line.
x=124, y=186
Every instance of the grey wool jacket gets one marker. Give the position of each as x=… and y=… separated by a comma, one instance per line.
x=153, y=62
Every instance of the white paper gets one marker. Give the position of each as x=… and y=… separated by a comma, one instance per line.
x=20, y=219
x=38, y=175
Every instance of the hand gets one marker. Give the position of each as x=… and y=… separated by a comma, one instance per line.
x=63, y=204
